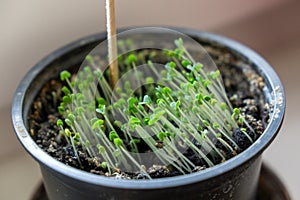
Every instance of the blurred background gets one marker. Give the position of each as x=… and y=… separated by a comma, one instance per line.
x=31, y=29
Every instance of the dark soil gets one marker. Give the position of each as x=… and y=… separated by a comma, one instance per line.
x=244, y=89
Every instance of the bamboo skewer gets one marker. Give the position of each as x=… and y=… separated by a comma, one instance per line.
x=112, y=42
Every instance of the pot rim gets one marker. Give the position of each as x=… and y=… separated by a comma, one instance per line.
x=277, y=96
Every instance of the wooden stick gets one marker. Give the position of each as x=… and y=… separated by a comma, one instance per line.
x=112, y=42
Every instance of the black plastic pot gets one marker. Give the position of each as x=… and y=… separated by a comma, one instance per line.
x=236, y=178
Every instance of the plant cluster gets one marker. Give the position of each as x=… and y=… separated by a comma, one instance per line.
x=163, y=112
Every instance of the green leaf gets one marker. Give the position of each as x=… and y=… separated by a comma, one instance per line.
x=131, y=59
x=117, y=123
x=236, y=111
x=146, y=100
x=223, y=106
x=71, y=117
x=215, y=74
x=240, y=120
x=80, y=110
x=149, y=80
x=199, y=97
x=101, y=101
x=118, y=90
x=161, y=136
x=179, y=53
x=76, y=136
x=175, y=105
x=160, y=102
x=166, y=90
x=121, y=44
x=101, y=149
x=207, y=98
x=198, y=67
x=134, y=121
x=113, y=135
x=120, y=103
x=158, y=113
x=59, y=122
x=67, y=99
x=87, y=70
x=187, y=63
x=127, y=85
x=89, y=58
x=118, y=142
x=65, y=75
x=199, y=127
x=135, y=141
x=117, y=153
x=190, y=67
x=219, y=135
x=179, y=42
x=146, y=120
x=68, y=122
x=204, y=133
x=152, y=54
x=170, y=65
x=132, y=103
x=79, y=96
x=101, y=109
x=170, y=134
x=170, y=53
x=67, y=132
x=206, y=123
x=129, y=42
x=216, y=125
x=97, y=124
x=213, y=102
x=61, y=110
x=206, y=83
x=65, y=90
x=178, y=103
x=104, y=165
x=98, y=74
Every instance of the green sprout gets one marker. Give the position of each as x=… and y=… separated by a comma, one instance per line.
x=188, y=108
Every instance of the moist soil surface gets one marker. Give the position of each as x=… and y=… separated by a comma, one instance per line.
x=243, y=87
